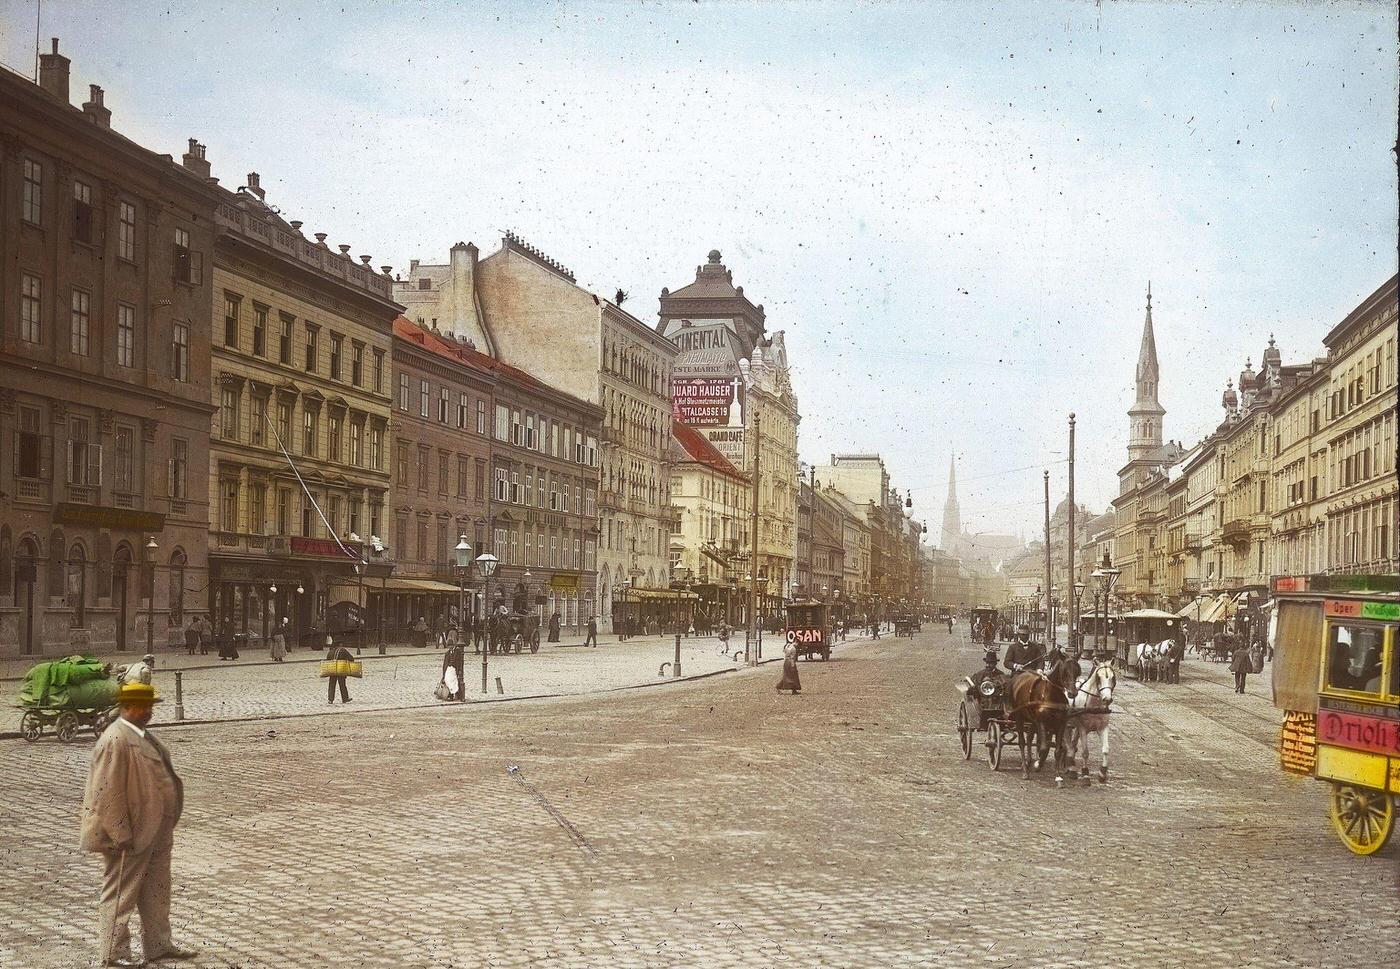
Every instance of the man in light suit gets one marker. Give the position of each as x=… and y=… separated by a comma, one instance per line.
x=132, y=802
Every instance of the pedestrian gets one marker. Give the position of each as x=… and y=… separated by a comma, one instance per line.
x=441, y=627
x=192, y=635
x=136, y=672
x=206, y=635
x=131, y=804
x=279, y=641
x=554, y=627
x=592, y=639
x=1239, y=665
x=452, y=684
x=724, y=635
x=790, y=680
x=336, y=654
x=420, y=632
x=228, y=648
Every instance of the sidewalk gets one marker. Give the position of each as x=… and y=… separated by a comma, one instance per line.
x=256, y=688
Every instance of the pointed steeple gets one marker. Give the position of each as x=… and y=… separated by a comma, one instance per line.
x=952, y=519
x=1145, y=416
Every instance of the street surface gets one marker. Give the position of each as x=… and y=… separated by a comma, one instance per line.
x=715, y=823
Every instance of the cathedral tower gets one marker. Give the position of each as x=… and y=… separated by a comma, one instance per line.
x=1145, y=416
x=952, y=519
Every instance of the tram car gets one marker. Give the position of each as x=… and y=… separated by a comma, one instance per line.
x=1336, y=677
x=808, y=627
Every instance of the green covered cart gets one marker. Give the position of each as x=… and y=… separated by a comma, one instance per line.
x=66, y=695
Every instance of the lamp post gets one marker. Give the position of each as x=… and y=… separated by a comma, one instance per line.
x=1074, y=616
x=486, y=563
x=463, y=558
x=151, y=549
x=1106, y=575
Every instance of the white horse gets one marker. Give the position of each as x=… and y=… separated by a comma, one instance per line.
x=1152, y=659
x=1089, y=713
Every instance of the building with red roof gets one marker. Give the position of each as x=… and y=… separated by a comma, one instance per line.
x=713, y=499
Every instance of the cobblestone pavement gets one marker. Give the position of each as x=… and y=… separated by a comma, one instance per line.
x=719, y=824
x=252, y=688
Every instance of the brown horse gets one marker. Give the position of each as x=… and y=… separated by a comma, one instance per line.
x=1040, y=711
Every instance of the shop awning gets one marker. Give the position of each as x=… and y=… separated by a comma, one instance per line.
x=1221, y=609
x=648, y=595
x=1196, y=608
x=342, y=590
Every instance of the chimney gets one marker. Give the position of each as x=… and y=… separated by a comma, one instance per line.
x=194, y=160
x=95, y=110
x=462, y=305
x=53, y=73
x=412, y=267
x=253, y=185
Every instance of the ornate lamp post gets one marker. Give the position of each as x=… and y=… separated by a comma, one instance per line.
x=151, y=549
x=1106, y=576
x=462, y=553
x=1074, y=638
x=486, y=563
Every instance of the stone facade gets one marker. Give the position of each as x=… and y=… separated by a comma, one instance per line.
x=712, y=497
x=104, y=376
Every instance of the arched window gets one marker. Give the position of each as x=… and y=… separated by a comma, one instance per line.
x=176, y=602
x=75, y=589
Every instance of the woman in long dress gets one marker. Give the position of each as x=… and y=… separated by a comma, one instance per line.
x=279, y=641
x=790, y=680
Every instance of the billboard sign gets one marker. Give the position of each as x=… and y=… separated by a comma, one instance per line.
x=703, y=401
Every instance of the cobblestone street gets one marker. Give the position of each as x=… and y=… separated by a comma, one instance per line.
x=718, y=824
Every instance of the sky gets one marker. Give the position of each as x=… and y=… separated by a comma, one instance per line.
x=952, y=210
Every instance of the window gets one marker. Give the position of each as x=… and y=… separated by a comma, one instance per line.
x=444, y=405
x=462, y=410
x=228, y=413
x=231, y=304
x=126, y=335
x=403, y=391
x=31, y=446
x=502, y=422
x=357, y=363
x=31, y=290
x=378, y=370
x=530, y=431
x=517, y=430
x=422, y=469
x=180, y=352
x=357, y=436
x=228, y=504
x=422, y=398
x=480, y=487
x=75, y=591
x=257, y=420
x=78, y=323
x=337, y=347
x=84, y=457
x=257, y=509
x=376, y=440
x=179, y=467
x=284, y=340
x=259, y=330
x=313, y=337
x=515, y=487
x=461, y=476
x=308, y=432
x=334, y=438
x=32, y=207
x=502, y=486
x=401, y=463
x=308, y=515
x=82, y=212
x=126, y=231
x=425, y=284
x=1354, y=658
x=122, y=474
x=284, y=426
x=188, y=264
x=333, y=514
x=442, y=472
x=480, y=416
x=282, y=517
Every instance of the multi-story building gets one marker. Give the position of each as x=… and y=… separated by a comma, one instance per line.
x=862, y=478
x=104, y=376
x=855, y=546
x=527, y=311
x=733, y=385
x=299, y=462
x=713, y=498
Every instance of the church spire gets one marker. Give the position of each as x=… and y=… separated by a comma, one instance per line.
x=952, y=519
x=1145, y=416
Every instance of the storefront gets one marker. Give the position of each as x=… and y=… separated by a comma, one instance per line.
x=653, y=612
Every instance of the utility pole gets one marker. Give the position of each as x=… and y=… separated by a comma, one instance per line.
x=811, y=530
x=1069, y=576
x=1049, y=589
x=749, y=655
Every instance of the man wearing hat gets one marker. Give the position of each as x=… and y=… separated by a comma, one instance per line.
x=132, y=802
x=989, y=671
x=1023, y=654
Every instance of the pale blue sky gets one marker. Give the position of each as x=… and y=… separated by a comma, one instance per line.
x=953, y=209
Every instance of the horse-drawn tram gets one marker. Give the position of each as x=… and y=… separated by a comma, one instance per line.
x=1336, y=676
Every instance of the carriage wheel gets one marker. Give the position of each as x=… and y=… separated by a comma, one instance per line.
x=994, y=744
x=965, y=731
x=102, y=721
x=67, y=727
x=1363, y=818
x=534, y=645
x=31, y=727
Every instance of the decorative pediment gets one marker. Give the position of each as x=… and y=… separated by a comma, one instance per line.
x=289, y=390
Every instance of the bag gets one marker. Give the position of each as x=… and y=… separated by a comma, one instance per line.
x=441, y=692
x=341, y=667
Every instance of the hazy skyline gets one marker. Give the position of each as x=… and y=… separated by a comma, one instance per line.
x=953, y=218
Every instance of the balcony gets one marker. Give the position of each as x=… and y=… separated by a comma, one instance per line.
x=1194, y=542
x=242, y=542
x=82, y=494
x=1190, y=586
x=31, y=489
x=1236, y=532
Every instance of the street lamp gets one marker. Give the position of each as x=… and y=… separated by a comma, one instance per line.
x=1106, y=575
x=1074, y=615
x=151, y=549
x=463, y=555
x=486, y=562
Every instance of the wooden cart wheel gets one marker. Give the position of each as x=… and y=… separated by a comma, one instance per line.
x=67, y=727
x=103, y=720
x=31, y=728
x=994, y=742
x=965, y=731
x=1362, y=817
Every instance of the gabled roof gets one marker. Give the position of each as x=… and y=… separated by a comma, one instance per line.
x=699, y=449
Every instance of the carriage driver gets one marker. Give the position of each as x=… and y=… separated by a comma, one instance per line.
x=987, y=672
x=1023, y=654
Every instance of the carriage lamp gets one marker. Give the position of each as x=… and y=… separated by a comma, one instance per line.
x=486, y=562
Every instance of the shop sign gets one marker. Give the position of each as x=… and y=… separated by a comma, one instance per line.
x=728, y=441
x=1357, y=609
x=328, y=547
x=102, y=516
x=1358, y=732
x=704, y=401
x=804, y=636
x=1298, y=744
x=563, y=582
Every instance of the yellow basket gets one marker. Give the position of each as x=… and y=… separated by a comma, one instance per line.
x=342, y=667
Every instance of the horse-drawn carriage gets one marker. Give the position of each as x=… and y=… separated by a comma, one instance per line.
x=1151, y=644
x=906, y=625
x=1336, y=676
x=1039, y=713
x=983, y=623
x=808, y=628
x=67, y=695
x=513, y=632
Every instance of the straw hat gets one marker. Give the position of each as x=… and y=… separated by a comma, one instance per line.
x=137, y=693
